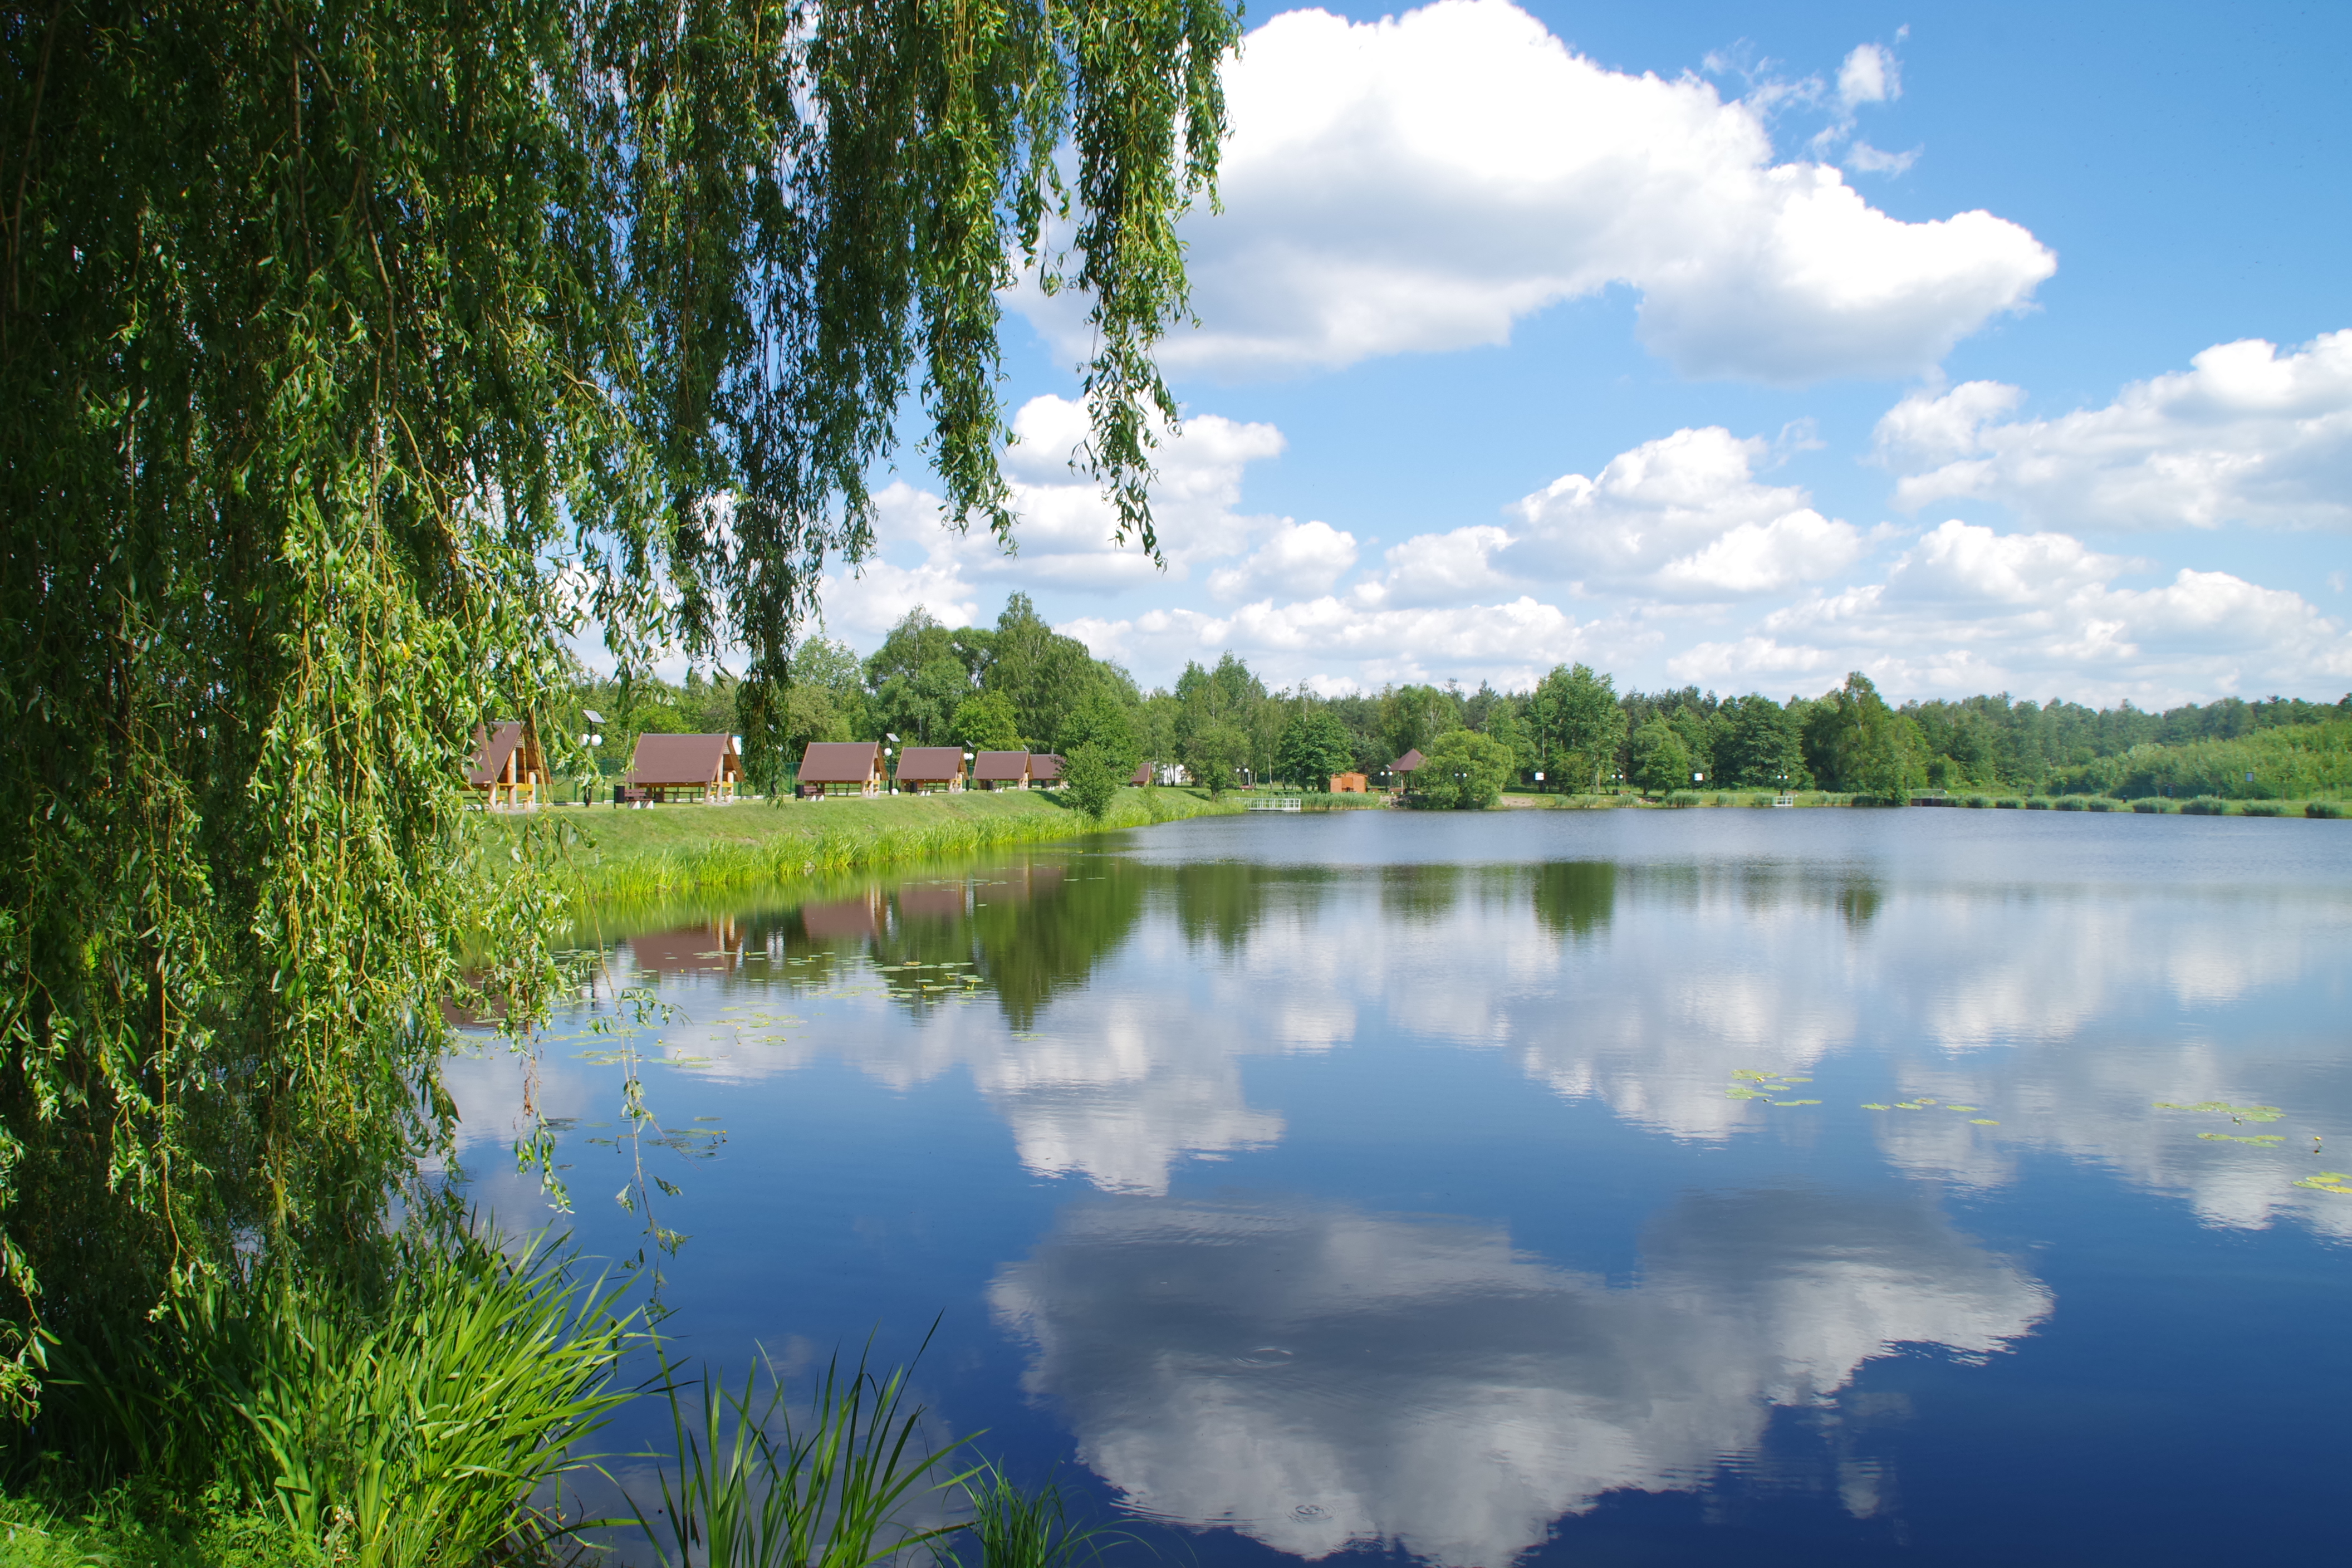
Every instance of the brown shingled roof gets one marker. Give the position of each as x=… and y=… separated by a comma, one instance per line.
x=1000, y=767
x=1044, y=767
x=491, y=752
x=1408, y=763
x=684, y=760
x=929, y=764
x=841, y=761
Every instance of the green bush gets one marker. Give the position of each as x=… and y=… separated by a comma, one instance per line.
x=1462, y=770
x=2037, y=804
x=2009, y=804
x=2204, y=805
x=390, y=1432
x=2070, y=803
x=1978, y=803
x=2101, y=803
x=2323, y=808
x=2152, y=805
x=2260, y=809
x=1682, y=798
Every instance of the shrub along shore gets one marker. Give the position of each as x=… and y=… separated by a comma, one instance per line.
x=2200, y=805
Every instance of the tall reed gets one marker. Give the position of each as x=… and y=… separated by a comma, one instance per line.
x=1011, y=1528
x=756, y=1488
x=408, y=1429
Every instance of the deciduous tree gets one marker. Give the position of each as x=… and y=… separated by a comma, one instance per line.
x=355, y=355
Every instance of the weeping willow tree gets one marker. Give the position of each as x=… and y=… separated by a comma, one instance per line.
x=357, y=354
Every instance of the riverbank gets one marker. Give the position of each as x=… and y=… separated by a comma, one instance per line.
x=672, y=849
x=2207, y=805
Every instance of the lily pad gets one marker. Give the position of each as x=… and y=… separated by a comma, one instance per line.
x=1982, y=1121
x=2263, y=1139
x=1796, y=1102
x=1873, y=1105
x=2222, y=1107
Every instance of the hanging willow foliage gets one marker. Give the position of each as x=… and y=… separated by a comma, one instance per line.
x=356, y=352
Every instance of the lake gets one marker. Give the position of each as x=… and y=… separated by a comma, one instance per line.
x=1712, y=1187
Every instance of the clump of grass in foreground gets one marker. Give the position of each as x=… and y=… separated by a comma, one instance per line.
x=756, y=1488
x=121, y=1530
x=1017, y=1529
x=407, y=1429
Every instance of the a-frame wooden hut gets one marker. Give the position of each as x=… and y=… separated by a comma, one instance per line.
x=508, y=768
x=844, y=765
x=685, y=767
x=922, y=768
x=1002, y=770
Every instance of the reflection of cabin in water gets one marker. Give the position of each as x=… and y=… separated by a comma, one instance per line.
x=1002, y=770
x=922, y=768
x=844, y=765
x=507, y=760
x=934, y=901
x=690, y=767
x=856, y=920
x=713, y=949
x=1045, y=770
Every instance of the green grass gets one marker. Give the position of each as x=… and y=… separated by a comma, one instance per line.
x=676, y=849
x=112, y=1533
x=392, y=1433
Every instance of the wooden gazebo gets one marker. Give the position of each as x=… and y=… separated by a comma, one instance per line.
x=1002, y=770
x=845, y=765
x=690, y=767
x=1404, y=767
x=922, y=768
x=508, y=762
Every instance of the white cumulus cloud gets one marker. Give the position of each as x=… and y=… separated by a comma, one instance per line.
x=1422, y=181
x=1681, y=517
x=1065, y=529
x=1299, y=559
x=1968, y=609
x=2246, y=435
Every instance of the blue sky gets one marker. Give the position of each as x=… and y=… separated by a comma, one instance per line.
x=1984, y=347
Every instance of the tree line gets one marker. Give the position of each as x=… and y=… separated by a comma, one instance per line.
x=1020, y=684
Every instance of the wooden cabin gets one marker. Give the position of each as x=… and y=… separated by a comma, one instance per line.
x=685, y=767
x=1350, y=783
x=923, y=768
x=1141, y=777
x=1045, y=770
x=827, y=766
x=508, y=762
x=1001, y=770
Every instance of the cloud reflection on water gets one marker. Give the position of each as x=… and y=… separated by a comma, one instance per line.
x=1316, y=1377
x=1106, y=1009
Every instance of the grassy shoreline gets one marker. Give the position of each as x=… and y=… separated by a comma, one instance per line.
x=667, y=850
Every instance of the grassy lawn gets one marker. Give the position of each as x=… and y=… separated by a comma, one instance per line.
x=667, y=849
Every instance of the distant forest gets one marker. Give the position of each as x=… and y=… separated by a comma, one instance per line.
x=1020, y=684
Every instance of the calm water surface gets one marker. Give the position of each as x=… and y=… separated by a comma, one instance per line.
x=1696, y=1187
